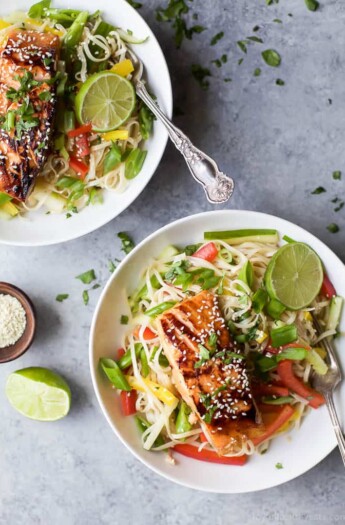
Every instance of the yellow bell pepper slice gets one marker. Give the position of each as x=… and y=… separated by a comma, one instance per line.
x=307, y=316
x=123, y=68
x=261, y=336
x=161, y=393
x=321, y=351
x=117, y=134
x=47, y=29
x=3, y=24
x=10, y=209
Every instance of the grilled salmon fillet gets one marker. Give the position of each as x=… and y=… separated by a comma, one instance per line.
x=28, y=63
x=206, y=371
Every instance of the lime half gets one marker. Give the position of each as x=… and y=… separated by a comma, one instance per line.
x=294, y=275
x=38, y=393
x=106, y=100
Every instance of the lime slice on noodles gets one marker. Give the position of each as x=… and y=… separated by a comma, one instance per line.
x=106, y=100
x=294, y=275
x=39, y=393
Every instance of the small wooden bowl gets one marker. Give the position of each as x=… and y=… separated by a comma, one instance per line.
x=11, y=352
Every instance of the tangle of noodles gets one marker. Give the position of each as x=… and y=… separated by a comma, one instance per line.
x=235, y=299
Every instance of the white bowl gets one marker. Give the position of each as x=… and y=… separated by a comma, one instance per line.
x=38, y=229
x=298, y=452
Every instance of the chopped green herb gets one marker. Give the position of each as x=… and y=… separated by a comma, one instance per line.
x=318, y=190
x=271, y=57
x=87, y=277
x=216, y=38
x=111, y=266
x=279, y=465
x=340, y=206
x=62, y=297
x=337, y=175
x=127, y=242
x=333, y=228
x=277, y=21
x=280, y=82
x=242, y=44
x=136, y=5
x=124, y=319
x=312, y=5
x=200, y=74
x=204, y=356
x=240, y=60
x=257, y=72
x=86, y=297
x=255, y=39
x=227, y=79
x=45, y=96
x=212, y=341
x=255, y=29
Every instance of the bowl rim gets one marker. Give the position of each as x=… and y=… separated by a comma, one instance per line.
x=168, y=95
x=109, y=283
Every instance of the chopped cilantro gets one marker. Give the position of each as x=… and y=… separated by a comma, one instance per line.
x=124, y=319
x=242, y=44
x=312, y=5
x=87, y=277
x=86, y=297
x=216, y=38
x=333, y=228
x=337, y=175
x=127, y=242
x=257, y=72
x=136, y=5
x=279, y=465
x=61, y=297
x=200, y=74
x=280, y=82
x=318, y=190
x=271, y=57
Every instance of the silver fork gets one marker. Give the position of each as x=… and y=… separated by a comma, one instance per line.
x=218, y=186
x=326, y=384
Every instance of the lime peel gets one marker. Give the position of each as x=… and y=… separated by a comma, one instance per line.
x=294, y=275
x=106, y=100
x=39, y=394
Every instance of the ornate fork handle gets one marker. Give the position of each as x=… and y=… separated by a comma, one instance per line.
x=336, y=424
x=218, y=187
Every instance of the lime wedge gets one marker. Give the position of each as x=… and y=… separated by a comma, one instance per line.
x=38, y=393
x=106, y=100
x=294, y=275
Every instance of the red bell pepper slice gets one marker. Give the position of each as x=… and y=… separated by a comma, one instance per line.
x=208, y=252
x=120, y=353
x=79, y=167
x=147, y=335
x=82, y=146
x=281, y=418
x=208, y=455
x=271, y=390
x=128, y=401
x=327, y=287
x=82, y=130
x=297, y=386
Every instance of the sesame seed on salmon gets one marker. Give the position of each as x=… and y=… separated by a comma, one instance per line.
x=28, y=64
x=210, y=372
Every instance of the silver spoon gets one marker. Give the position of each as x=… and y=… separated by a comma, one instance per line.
x=218, y=186
x=325, y=384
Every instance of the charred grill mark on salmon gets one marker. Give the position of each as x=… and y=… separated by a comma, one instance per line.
x=209, y=371
x=28, y=62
